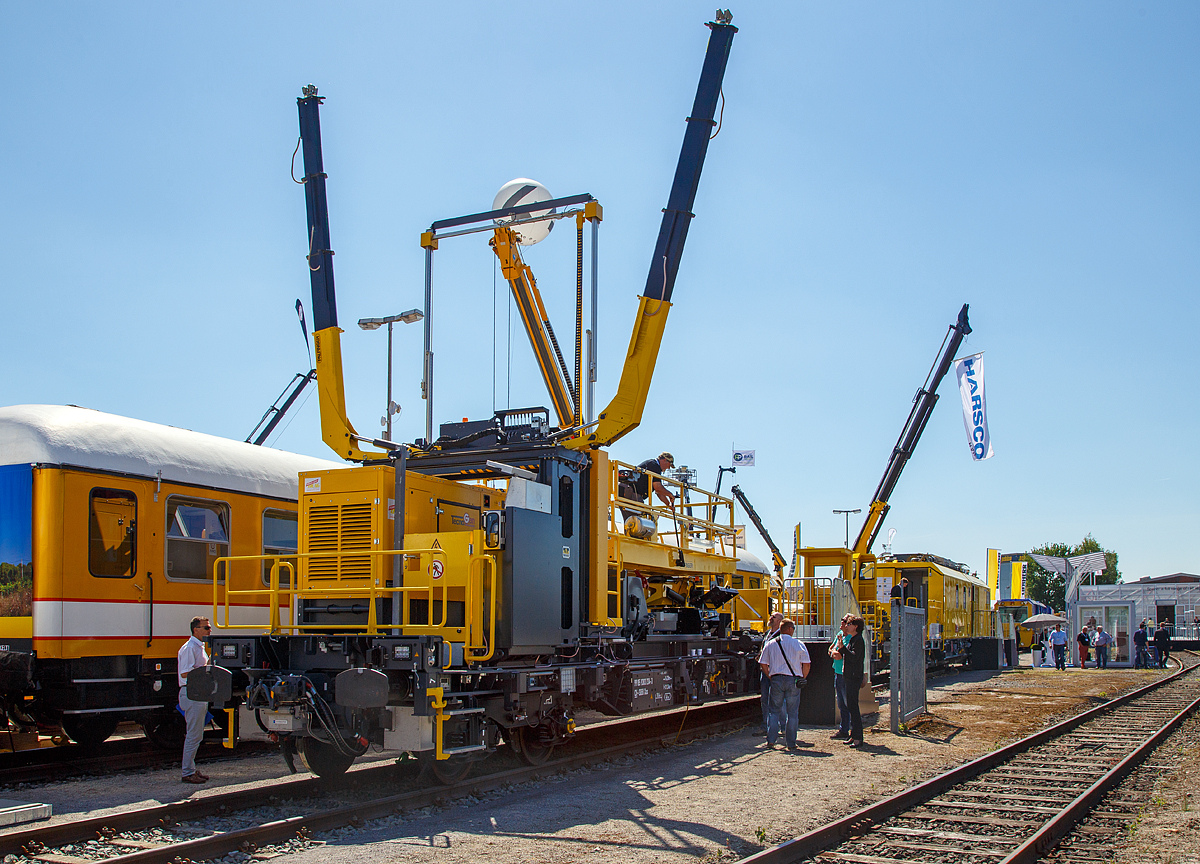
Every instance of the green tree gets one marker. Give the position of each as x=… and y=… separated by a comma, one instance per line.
x=1049, y=588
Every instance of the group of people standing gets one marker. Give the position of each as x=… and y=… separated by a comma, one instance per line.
x=1141, y=640
x=785, y=664
x=1099, y=639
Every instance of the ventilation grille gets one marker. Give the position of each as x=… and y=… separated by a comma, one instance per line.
x=339, y=528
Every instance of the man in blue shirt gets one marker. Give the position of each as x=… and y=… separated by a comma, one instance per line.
x=1141, y=659
x=1058, y=641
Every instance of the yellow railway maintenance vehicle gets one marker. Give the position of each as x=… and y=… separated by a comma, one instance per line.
x=489, y=583
x=109, y=530
x=1016, y=610
x=957, y=602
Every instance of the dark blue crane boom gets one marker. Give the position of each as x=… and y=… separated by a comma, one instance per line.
x=624, y=412
x=923, y=405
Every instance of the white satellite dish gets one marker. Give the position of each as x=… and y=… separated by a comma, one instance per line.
x=525, y=191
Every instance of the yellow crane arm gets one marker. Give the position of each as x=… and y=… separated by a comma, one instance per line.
x=537, y=324
x=336, y=429
x=875, y=514
x=624, y=412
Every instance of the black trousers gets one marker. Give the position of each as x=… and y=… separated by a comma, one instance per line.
x=853, y=685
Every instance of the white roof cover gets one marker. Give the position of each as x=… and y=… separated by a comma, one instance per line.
x=748, y=562
x=66, y=435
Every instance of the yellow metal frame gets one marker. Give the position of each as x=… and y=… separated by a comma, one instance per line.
x=536, y=321
x=336, y=429
x=709, y=563
x=624, y=412
x=371, y=592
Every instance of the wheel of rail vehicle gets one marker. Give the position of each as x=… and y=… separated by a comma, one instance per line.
x=527, y=741
x=445, y=771
x=323, y=759
x=88, y=730
x=165, y=729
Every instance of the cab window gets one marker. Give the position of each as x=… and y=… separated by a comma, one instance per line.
x=112, y=533
x=197, y=535
x=280, y=530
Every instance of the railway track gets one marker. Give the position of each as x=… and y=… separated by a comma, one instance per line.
x=1013, y=806
x=122, y=838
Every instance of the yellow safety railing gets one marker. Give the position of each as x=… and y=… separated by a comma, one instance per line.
x=483, y=648
x=275, y=593
x=701, y=524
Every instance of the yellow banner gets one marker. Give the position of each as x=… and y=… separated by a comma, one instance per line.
x=993, y=573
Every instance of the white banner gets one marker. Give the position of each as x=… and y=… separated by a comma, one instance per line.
x=743, y=458
x=974, y=402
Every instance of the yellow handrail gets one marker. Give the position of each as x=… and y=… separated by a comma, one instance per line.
x=274, y=591
x=488, y=640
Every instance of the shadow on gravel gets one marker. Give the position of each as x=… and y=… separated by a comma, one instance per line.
x=582, y=803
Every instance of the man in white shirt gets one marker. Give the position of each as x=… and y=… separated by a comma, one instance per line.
x=785, y=663
x=1058, y=641
x=192, y=656
x=764, y=683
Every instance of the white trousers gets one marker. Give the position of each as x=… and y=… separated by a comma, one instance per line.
x=194, y=713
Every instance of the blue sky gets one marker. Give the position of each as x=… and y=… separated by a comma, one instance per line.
x=878, y=167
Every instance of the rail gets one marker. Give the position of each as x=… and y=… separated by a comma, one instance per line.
x=279, y=596
x=1060, y=790
x=381, y=778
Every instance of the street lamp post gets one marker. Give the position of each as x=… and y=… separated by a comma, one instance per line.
x=847, y=514
x=409, y=317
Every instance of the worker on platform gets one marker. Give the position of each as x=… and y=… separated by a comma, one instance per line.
x=900, y=591
x=785, y=662
x=636, y=485
x=193, y=656
x=764, y=682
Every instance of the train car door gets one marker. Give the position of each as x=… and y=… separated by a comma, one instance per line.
x=16, y=558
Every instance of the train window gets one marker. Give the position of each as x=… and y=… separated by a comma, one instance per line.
x=280, y=533
x=566, y=505
x=197, y=535
x=112, y=533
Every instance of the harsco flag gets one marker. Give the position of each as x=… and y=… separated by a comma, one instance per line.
x=974, y=402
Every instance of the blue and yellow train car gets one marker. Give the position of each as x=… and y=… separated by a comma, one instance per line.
x=1017, y=610
x=109, y=530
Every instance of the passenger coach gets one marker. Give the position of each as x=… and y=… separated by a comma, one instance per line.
x=109, y=528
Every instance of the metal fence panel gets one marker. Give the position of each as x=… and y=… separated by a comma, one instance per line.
x=907, y=664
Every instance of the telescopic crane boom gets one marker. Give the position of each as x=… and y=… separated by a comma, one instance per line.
x=624, y=412
x=923, y=405
x=776, y=556
x=336, y=429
